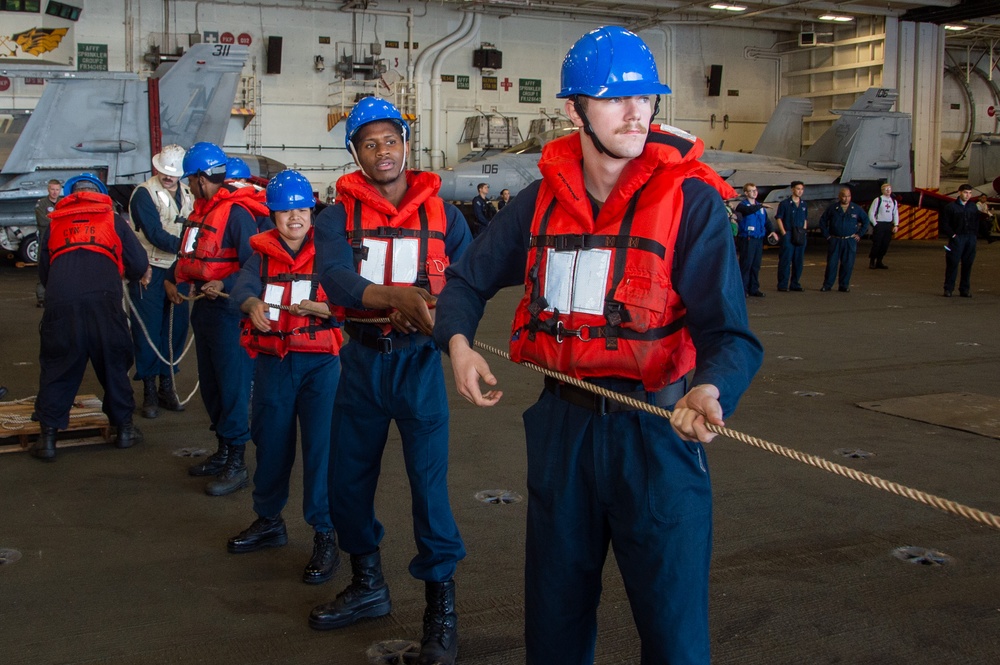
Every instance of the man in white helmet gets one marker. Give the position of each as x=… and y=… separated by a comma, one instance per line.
x=158, y=208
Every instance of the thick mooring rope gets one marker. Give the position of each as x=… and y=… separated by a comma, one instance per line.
x=946, y=505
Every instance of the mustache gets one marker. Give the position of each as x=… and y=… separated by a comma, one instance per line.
x=632, y=127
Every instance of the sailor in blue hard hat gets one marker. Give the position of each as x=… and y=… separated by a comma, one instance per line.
x=631, y=283
x=611, y=63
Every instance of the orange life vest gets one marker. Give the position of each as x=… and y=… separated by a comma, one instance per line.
x=420, y=216
x=304, y=334
x=631, y=325
x=202, y=257
x=85, y=220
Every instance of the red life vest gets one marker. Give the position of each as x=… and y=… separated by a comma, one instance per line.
x=205, y=258
x=85, y=220
x=631, y=325
x=304, y=334
x=420, y=216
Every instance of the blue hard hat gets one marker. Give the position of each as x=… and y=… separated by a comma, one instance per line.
x=289, y=190
x=206, y=158
x=237, y=168
x=84, y=177
x=371, y=109
x=610, y=62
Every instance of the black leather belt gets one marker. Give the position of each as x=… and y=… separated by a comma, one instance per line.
x=373, y=339
x=601, y=405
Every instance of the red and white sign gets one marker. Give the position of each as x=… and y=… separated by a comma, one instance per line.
x=991, y=111
x=227, y=38
x=244, y=39
x=4, y=83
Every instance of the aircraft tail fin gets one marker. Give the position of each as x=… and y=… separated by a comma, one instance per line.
x=197, y=92
x=782, y=136
x=99, y=121
x=869, y=140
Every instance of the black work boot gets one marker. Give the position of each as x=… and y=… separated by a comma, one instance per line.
x=439, y=645
x=167, y=396
x=45, y=448
x=150, y=402
x=213, y=464
x=233, y=476
x=129, y=434
x=264, y=532
x=367, y=596
x=325, y=559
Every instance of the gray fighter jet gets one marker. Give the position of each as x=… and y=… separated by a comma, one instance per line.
x=106, y=123
x=867, y=145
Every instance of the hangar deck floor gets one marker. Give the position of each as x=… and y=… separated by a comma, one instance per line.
x=124, y=560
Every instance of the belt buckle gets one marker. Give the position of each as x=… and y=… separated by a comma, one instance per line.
x=384, y=344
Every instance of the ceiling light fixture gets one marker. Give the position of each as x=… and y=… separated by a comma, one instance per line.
x=726, y=7
x=956, y=28
x=836, y=18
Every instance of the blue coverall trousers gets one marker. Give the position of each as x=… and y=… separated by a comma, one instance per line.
x=750, y=251
x=962, y=250
x=840, y=252
x=406, y=385
x=790, y=261
x=152, y=306
x=93, y=329
x=301, y=386
x=628, y=480
x=224, y=369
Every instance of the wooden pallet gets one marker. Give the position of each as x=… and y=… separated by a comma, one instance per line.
x=87, y=425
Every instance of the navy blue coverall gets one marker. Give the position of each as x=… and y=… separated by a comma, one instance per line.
x=791, y=257
x=750, y=243
x=960, y=224
x=151, y=302
x=622, y=478
x=84, y=320
x=299, y=386
x=842, y=229
x=378, y=386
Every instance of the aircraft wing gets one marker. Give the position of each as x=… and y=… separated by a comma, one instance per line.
x=86, y=124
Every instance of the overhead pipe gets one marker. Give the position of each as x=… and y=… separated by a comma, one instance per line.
x=416, y=77
x=471, y=33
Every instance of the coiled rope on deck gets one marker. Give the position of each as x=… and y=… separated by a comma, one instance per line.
x=940, y=503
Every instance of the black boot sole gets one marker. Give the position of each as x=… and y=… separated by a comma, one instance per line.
x=279, y=540
x=45, y=455
x=372, y=612
x=149, y=413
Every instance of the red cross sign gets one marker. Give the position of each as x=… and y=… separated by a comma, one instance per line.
x=506, y=84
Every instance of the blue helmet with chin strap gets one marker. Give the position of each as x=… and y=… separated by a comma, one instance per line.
x=75, y=182
x=289, y=190
x=610, y=62
x=237, y=168
x=373, y=109
x=204, y=157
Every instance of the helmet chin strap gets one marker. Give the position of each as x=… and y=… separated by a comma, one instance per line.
x=589, y=130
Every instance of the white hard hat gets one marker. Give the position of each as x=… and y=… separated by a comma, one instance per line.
x=170, y=161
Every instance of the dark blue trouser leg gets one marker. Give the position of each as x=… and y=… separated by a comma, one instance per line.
x=224, y=370
x=628, y=480
x=798, y=260
x=152, y=306
x=408, y=386
x=786, y=252
x=848, y=252
x=94, y=330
